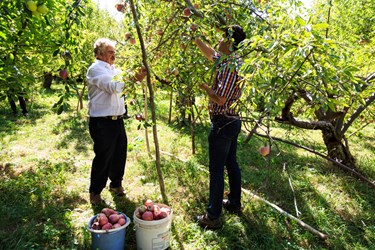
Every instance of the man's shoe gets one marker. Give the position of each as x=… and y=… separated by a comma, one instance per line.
x=205, y=222
x=232, y=209
x=119, y=191
x=96, y=199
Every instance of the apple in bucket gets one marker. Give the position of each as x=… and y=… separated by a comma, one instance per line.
x=108, y=219
x=150, y=211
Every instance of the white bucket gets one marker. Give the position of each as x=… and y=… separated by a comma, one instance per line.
x=153, y=235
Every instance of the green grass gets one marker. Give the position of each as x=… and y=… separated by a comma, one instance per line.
x=45, y=165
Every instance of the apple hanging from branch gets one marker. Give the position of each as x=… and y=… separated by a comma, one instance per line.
x=132, y=41
x=127, y=35
x=63, y=74
x=187, y=12
x=120, y=7
x=264, y=151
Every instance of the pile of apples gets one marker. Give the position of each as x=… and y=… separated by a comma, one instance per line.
x=152, y=211
x=108, y=219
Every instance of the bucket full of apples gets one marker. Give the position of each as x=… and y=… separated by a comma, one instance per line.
x=152, y=225
x=108, y=229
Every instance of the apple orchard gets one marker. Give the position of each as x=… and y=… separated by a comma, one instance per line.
x=301, y=69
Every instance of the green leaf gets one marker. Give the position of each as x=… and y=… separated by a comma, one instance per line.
x=320, y=26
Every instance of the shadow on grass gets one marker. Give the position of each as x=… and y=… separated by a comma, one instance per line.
x=74, y=130
x=36, y=207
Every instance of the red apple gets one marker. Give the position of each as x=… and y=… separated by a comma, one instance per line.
x=121, y=221
x=102, y=219
x=120, y=7
x=132, y=41
x=138, y=117
x=113, y=218
x=148, y=215
x=264, y=151
x=160, y=32
x=167, y=210
x=107, y=226
x=196, y=6
x=108, y=211
x=63, y=74
x=193, y=27
x=117, y=225
x=187, y=12
x=127, y=35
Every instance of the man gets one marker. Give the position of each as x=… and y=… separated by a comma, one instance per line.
x=11, y=96
x=106, y=125
x=225, y=127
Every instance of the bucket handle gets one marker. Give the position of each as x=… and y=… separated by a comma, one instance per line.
x=136, y=226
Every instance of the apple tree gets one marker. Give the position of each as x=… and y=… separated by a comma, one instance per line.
x=295, y=72
x=300, y=76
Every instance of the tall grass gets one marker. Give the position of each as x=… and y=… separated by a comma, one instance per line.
x=45, y=162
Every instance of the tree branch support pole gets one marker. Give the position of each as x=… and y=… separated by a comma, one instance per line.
x=280, y=210
x=152, y=104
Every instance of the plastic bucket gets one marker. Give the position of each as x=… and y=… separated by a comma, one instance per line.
x=153, y=235
x=113, y=239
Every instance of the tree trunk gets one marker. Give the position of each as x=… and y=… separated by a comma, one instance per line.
x=337, y=149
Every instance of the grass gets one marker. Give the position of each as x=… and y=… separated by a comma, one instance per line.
x=45, y=162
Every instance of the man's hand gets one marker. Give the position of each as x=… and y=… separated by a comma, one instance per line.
x=214, y=97
x=141, y=74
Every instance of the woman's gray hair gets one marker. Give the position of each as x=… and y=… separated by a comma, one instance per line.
x=101, y=44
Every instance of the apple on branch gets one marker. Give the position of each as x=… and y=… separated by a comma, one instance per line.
x=120, y=7
x=187, y=12
x=264, y=151
x=42, y=9
x=132, y=41
x=127, y=35
x=31, y=5
x=160, y=32
x=63, y=74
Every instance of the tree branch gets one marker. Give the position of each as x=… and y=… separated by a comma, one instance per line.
x=357, y=112
x=339, y=164
x=288, y=118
